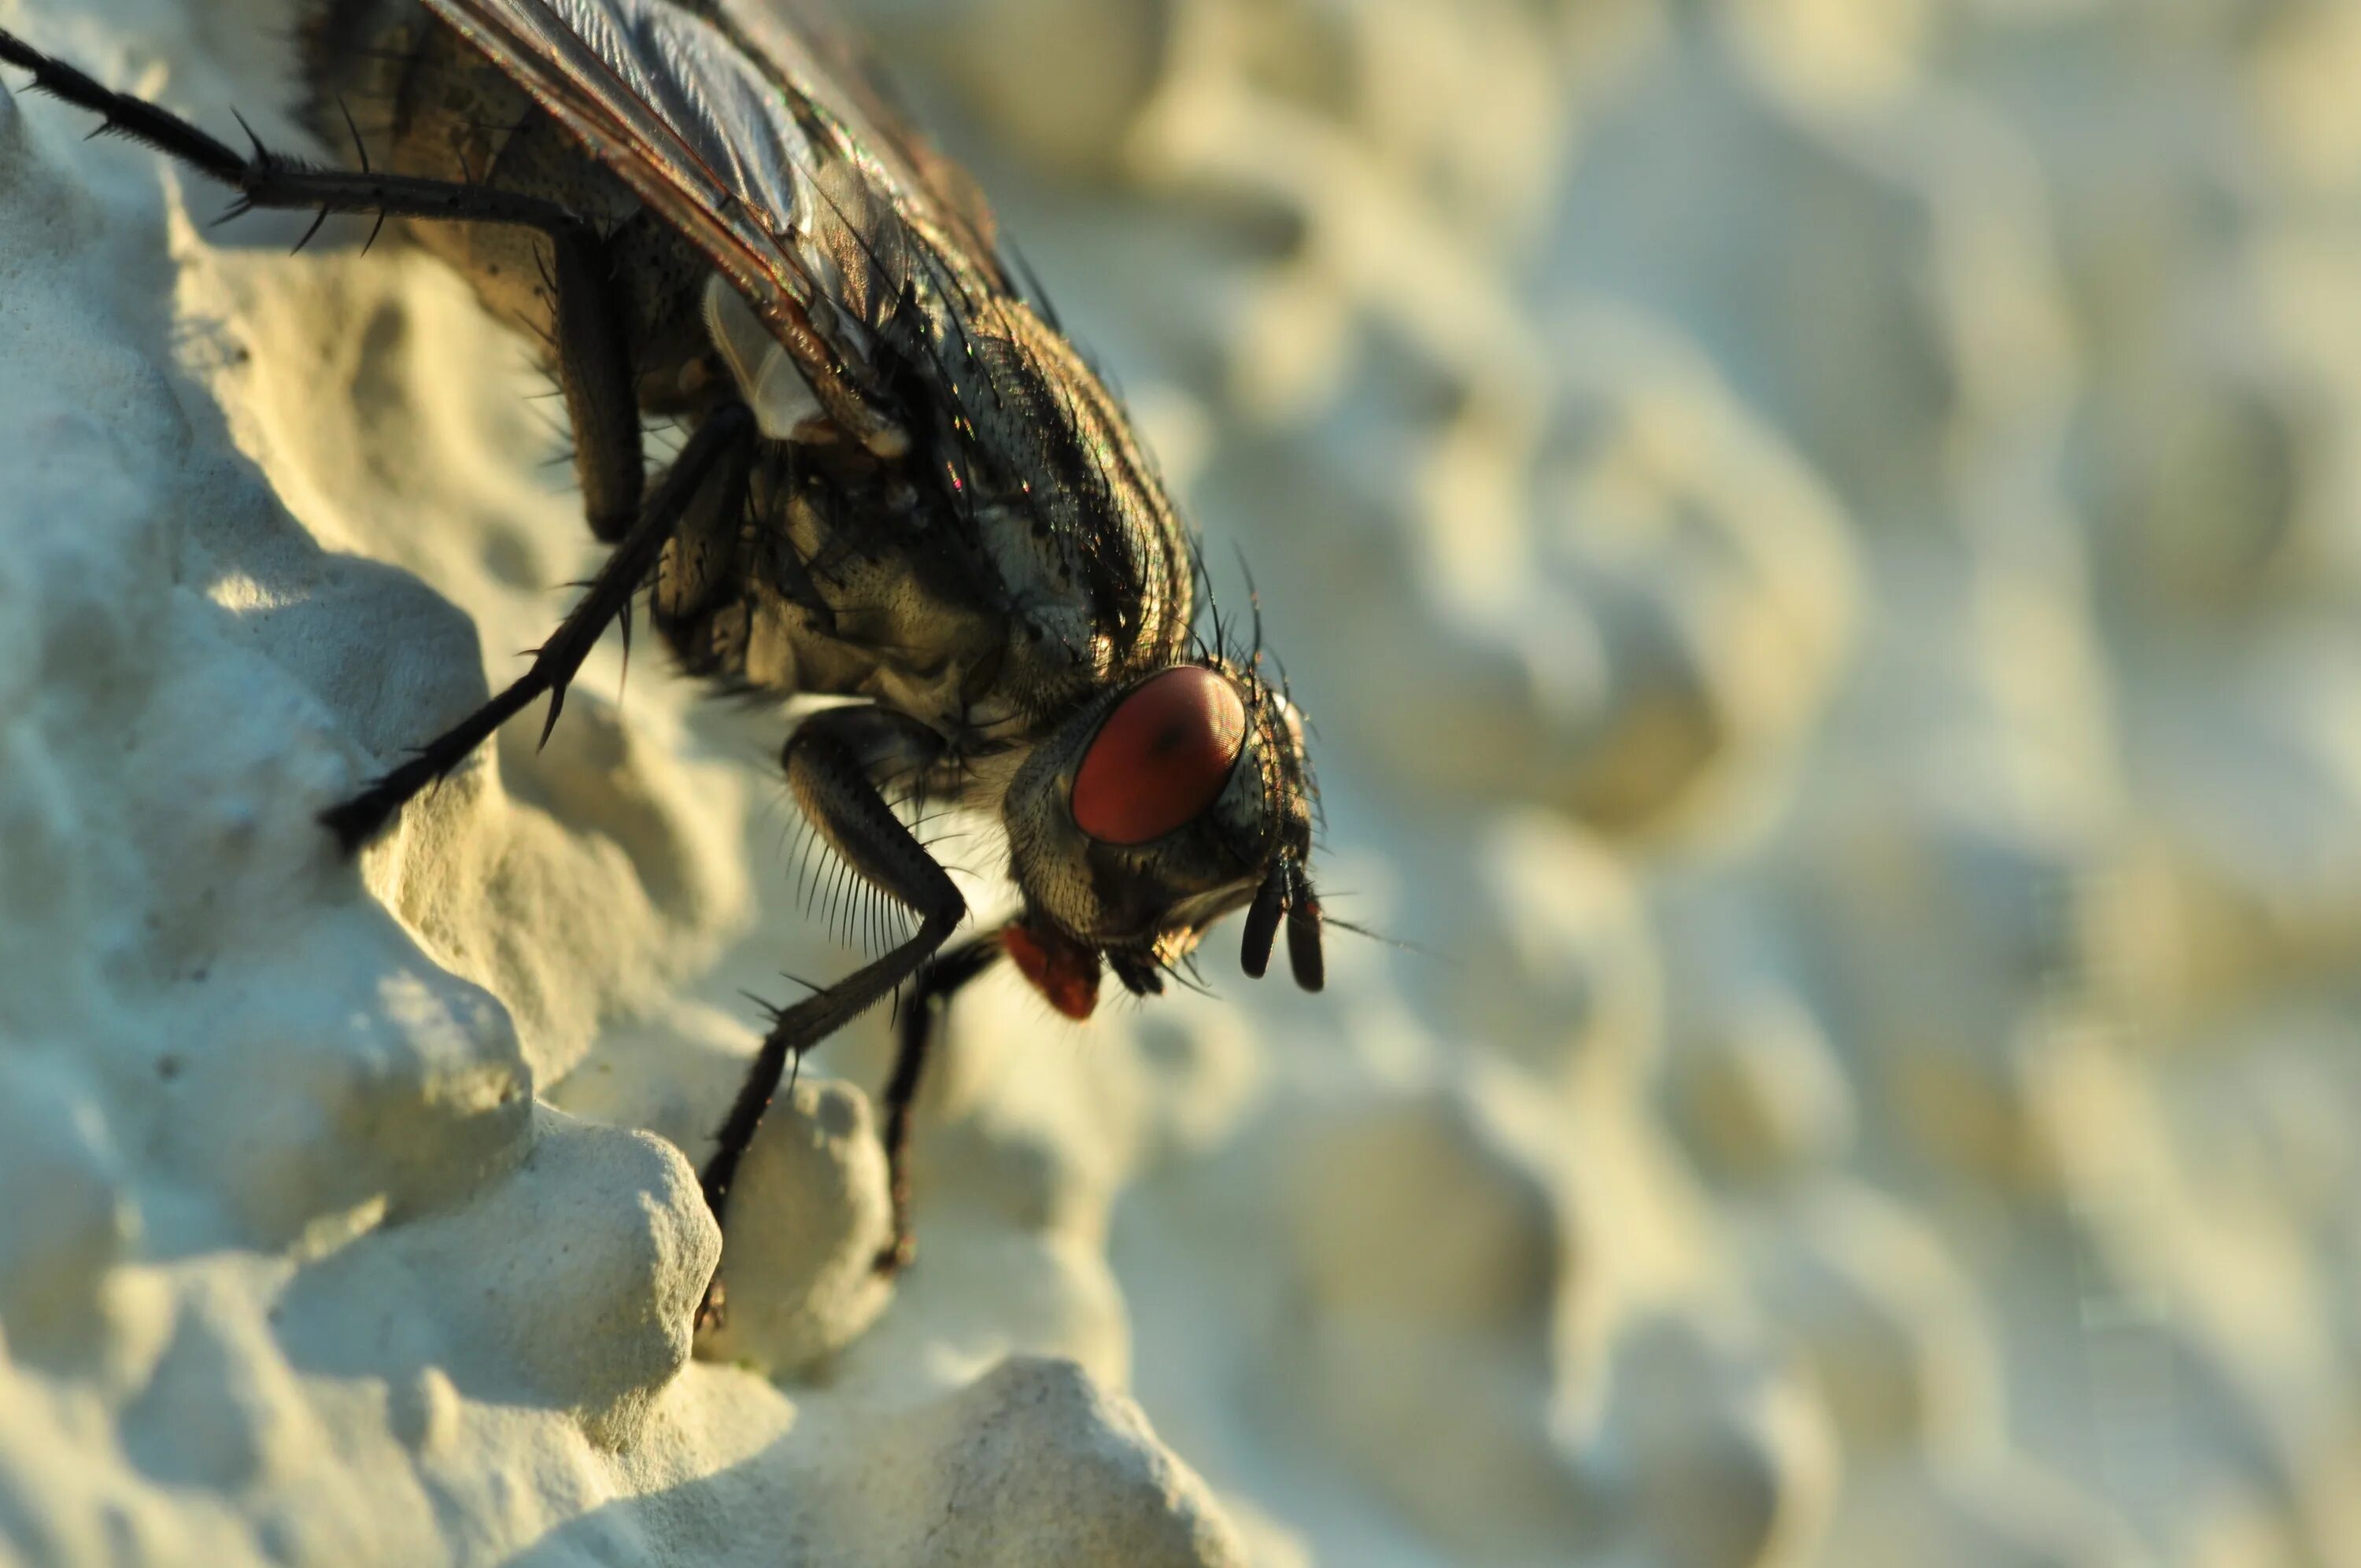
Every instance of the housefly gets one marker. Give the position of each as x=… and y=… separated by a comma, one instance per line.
x=898, y=485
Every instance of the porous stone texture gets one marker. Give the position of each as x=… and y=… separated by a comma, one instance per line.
x=809, y=1216
x=1817, y=538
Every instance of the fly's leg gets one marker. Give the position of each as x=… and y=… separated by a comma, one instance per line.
x=594, y=371
x=832, y=787
x=593, y=365
x=723, y=445
x=938, y=983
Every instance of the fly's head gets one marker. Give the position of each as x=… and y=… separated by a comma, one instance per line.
x=1149, y=815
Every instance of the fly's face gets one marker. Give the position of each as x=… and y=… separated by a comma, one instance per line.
x=1151, y=813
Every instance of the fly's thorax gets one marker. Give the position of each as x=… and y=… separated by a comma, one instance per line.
x=849, y=593
x=1040, y=458
x=1020, y=511
x=1158, y=809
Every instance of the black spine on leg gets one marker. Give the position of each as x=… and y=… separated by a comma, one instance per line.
x=825, y=775
x=594, y=362
x=554, y=665
x=264, y=178
x=126, y=115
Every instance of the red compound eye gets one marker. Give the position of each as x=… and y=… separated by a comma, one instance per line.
x=1160, y=758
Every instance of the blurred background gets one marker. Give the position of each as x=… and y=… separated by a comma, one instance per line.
x=1820, y=539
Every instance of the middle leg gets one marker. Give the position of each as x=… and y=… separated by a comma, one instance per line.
x=722, y=445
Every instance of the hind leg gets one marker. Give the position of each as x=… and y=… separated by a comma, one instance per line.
x=593, y=368
x=593, y=365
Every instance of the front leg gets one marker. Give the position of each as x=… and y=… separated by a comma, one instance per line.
x=827, y=775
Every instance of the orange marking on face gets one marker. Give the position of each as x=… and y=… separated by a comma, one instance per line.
x=1065, y=975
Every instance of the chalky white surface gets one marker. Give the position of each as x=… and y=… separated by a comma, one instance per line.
x=1818, y=537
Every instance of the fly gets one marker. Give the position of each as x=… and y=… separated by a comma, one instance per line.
x=899, y=484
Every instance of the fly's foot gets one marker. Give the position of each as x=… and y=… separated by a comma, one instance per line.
x=361, y=818
x=893, y=1258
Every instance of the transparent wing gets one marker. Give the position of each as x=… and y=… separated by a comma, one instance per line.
x=765, y=141
x=750, y=164
x=810, y=56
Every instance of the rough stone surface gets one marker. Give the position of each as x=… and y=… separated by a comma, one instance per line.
x=1816, y=536
x=810, y=1216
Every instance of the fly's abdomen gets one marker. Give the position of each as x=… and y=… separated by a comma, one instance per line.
x=423, y=102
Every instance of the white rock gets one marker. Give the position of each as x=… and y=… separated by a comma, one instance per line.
x=1032, y=1462
x=55, y=1253
x=1762, y=1097
x=1900, y=1350
x=1730, y=1463
x=570, y=1283
x=1817, y=534
x=809, y=1216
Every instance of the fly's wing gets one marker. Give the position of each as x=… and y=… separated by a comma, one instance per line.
x=872, y=262
x=818, y=61
x=685, y=115
x=1020, y=391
